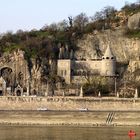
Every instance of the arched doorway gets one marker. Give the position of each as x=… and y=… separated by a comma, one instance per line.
x=34, y=92
x=1, y=93
x=6, y=74
x=18, y=93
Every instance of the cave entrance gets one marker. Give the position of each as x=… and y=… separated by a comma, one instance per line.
x=18, y=93
x=6, y=74
x=1, y=93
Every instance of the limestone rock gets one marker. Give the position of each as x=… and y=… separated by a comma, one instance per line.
x=93, y=46
x=134, y=21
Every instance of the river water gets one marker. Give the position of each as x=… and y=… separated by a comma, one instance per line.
x=66, y=133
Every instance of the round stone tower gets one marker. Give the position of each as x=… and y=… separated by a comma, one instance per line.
x=108, y=64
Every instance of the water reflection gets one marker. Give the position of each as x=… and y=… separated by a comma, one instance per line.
x=65, y=133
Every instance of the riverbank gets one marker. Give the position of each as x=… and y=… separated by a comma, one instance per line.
x=65, y=111
x=70, y=118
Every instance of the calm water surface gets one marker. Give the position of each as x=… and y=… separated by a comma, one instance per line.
x=65, y=133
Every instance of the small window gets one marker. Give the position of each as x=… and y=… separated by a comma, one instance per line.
x=107, y=57
x=112, y=57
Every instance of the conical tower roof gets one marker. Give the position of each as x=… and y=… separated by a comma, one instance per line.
x=108, y=52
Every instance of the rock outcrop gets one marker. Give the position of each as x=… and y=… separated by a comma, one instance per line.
x=134, y=21
x=92, y=46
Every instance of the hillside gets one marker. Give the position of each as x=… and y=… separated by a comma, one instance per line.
x=47, y=41
x=92, y=46
x=79, y=38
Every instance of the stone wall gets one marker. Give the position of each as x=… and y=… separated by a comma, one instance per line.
x=68, y=103
x=93, y=66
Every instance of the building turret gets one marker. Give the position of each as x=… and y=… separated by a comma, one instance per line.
x=61, y=53
x=66, y=52
x=108, y=66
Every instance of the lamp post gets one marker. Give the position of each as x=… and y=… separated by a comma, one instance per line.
x=115, y=87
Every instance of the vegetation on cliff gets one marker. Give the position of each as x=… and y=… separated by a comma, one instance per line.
x=46, y=41
x=133, y=33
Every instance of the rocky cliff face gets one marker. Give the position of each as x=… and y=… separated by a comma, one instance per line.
x=92, y=46
x=134, y=21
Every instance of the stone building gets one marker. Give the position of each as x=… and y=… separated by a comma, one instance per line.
x=19, y=78
x=74, y=70
x=14, y=74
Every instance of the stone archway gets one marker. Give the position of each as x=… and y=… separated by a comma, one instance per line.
x=18, y=92
x=6, y=74
x=1, y=92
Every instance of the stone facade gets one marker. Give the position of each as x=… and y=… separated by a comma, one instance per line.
x=64, y=69
x=19, y=78
x=69, y=69
x=14, y=72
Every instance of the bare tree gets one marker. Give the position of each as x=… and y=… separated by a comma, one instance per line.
x=62, y=25
x=81, y=21
x=109, y=12
x=70, y=21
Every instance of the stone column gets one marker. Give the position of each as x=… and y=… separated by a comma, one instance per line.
x=99, y=94
x=136, y=93
x=81, y=91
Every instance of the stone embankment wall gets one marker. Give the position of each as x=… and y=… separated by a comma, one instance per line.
x=102, y=111
x=69, y=103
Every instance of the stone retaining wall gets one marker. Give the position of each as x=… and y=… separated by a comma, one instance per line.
x=68, y=103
